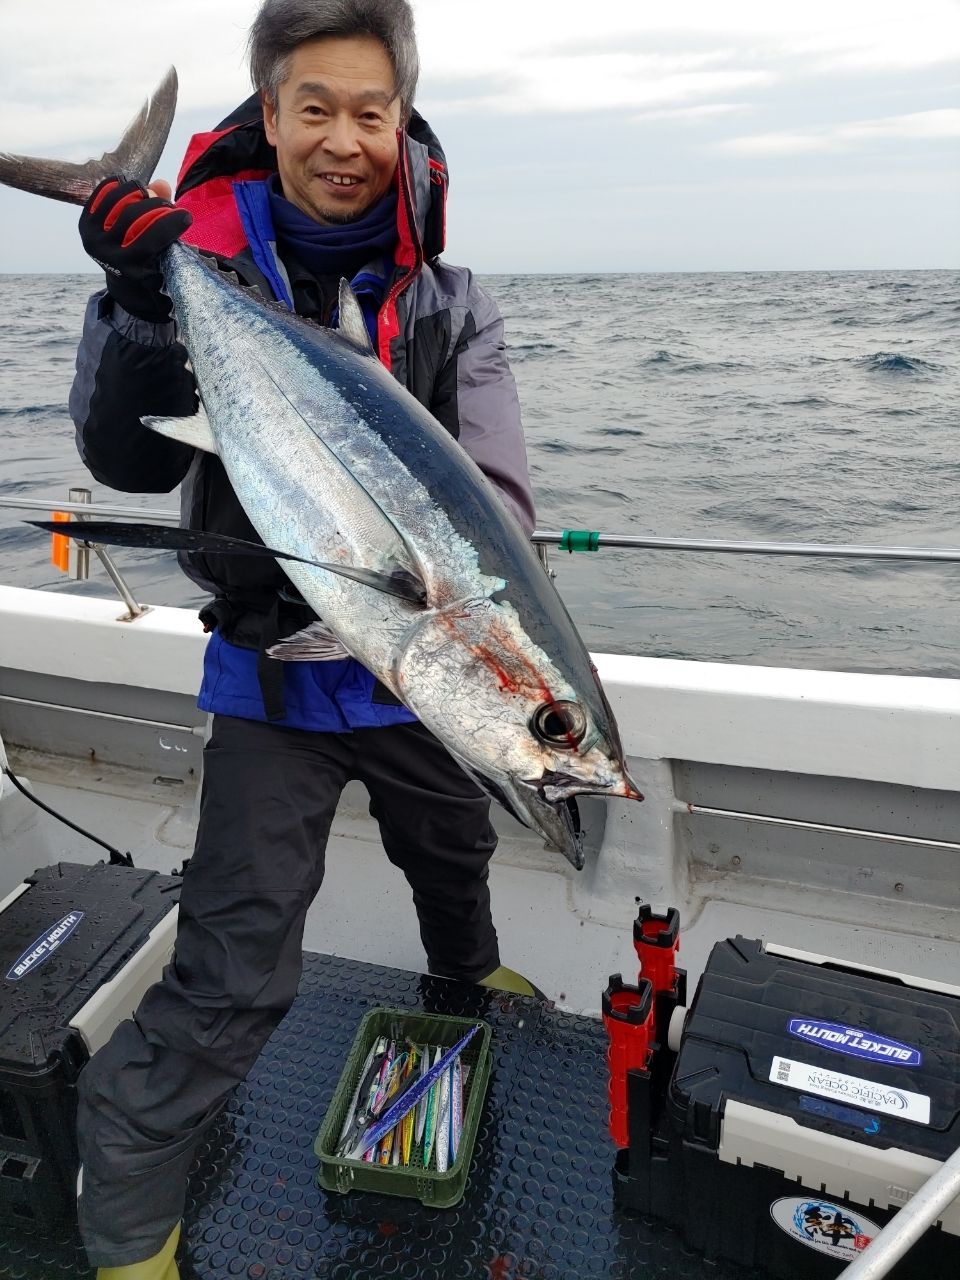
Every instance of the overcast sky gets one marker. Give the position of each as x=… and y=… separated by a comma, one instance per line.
x=618, y=135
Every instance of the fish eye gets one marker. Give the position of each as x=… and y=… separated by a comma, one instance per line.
x=559, y=724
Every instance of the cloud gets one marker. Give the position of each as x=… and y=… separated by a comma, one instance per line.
x=917, y=125
x=603, y=82
x=908, y=42
x=692, y=115
x=944, y=123
x=61, y=80
x=545, y=55
x=609, y=105
x=867, y=33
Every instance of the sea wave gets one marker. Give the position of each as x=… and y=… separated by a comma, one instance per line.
x=809, y=406
x=34, y=411
x=894, y=362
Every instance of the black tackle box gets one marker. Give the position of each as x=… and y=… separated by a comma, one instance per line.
x=808, y=1101
x=79, y=945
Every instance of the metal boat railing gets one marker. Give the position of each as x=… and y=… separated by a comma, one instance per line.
x=584, y=540
x=80, y=507
x=570, y=540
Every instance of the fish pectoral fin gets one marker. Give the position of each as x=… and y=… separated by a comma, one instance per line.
x=194, y=431
x=352, y=325
x=163, y=537
x=408, y=576
x=315, y=643
x=398, y=581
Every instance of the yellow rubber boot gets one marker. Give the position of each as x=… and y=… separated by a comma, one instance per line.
x=162, y=1266
x=504, y=979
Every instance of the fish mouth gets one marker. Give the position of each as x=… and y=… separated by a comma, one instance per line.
x=554, y=786
x=558, y=821
x=548, y=804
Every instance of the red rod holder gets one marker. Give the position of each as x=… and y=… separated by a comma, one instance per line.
x=628, y=1018
x=657, y=941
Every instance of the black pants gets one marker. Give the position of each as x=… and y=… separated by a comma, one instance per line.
x=269, y=796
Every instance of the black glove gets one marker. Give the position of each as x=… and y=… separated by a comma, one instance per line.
x=125, y=230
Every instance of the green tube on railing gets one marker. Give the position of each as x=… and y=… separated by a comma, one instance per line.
x=579, y=540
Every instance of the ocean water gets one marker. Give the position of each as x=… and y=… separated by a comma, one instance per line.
x=800, y=406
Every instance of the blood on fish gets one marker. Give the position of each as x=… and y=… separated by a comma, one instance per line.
x=505, y=681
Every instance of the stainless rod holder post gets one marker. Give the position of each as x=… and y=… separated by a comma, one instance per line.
x=919, y=1214
x=544, y=557
x=81, y=563
x=134, y=610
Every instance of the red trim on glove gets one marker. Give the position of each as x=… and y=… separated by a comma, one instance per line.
x=105, y=190
x=139, y=225
x=119, y=207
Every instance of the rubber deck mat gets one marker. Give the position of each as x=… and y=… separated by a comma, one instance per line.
x=538, y=1202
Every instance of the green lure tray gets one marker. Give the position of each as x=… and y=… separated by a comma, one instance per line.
x=430, y=1187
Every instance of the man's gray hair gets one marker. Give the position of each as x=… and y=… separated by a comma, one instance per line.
x=282, y=25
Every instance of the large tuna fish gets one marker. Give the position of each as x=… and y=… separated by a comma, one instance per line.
x=405, y=550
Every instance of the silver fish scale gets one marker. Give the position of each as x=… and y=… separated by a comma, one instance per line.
x=312, y=474
x=294, y=417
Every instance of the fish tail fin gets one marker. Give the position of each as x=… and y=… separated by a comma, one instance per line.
x=135, y=156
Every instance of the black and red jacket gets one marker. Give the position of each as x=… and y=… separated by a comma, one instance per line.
x=439, y=334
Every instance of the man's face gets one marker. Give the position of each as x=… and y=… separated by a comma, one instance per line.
x=335, y=127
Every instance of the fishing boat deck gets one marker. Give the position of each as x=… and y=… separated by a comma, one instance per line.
x=815, y=810
x=554, y=926
x=538, y=1202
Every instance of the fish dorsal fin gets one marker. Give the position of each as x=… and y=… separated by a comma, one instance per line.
x=352, y=326
x=195, y=430
x=252, y=292
x=230, y=276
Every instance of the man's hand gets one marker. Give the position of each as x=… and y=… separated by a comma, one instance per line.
x=124, y=227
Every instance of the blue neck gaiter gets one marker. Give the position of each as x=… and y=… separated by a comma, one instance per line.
x=334, y=250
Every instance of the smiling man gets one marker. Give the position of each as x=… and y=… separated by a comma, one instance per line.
x=326, y=172
x=334, y=121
